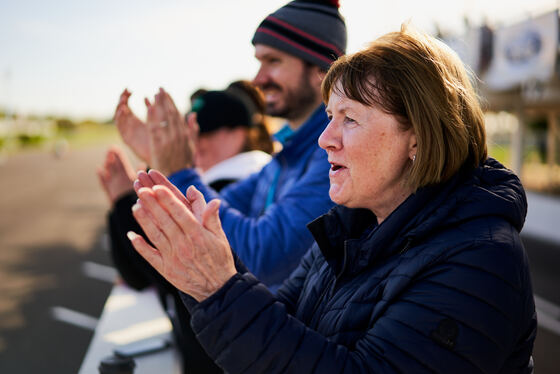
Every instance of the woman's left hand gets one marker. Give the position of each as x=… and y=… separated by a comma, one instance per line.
x=192, y=251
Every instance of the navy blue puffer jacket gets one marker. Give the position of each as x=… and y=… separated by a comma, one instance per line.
x=441, y=286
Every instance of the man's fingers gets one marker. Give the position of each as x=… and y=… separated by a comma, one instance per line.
x=150, y=254
x=151, y=114
x=172, y=115
x=122, y=104
x=169, y=103
x=123, y=99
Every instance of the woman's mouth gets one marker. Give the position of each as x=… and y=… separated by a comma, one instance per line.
x=335, y=167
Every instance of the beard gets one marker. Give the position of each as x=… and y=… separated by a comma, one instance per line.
x=297, y=99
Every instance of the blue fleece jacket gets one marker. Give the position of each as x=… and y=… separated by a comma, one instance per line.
x=441, y=286
x=271, y=239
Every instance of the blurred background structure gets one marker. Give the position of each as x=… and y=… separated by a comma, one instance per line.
x=517, y=68
x=64, y=63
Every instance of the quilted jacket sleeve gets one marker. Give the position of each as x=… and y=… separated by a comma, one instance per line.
x=245, y=329
x=452, y=319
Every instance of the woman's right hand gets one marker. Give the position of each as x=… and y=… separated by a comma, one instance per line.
x=191, y=249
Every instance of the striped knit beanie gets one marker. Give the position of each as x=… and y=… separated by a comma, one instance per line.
x=311, y=30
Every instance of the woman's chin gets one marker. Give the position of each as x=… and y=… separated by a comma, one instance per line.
x=336, y=195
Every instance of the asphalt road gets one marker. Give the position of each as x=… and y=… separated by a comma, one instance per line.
x=51, y=233
x=53, y=258
x=544, y=260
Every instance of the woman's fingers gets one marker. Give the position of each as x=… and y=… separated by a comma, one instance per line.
x=193, y=255
x=180, y=214
x=150, y=219
x=197, y=202
x=144, y=179
x=160, y=179
x=154, y=177
x=211, y=217
x=162, y=216
x=150, y=254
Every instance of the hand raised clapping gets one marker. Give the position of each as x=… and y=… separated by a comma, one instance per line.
x=172, y=141
x=165, y=142
x=191, y=249
x=133, y=131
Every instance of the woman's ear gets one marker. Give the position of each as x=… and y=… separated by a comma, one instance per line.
x=412, y=145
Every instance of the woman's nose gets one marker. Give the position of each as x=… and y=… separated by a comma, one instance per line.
x=329, y=138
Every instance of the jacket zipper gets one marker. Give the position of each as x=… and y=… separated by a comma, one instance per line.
x=339, y=275
x=329, y=288
x=406, y=246
x=333, y=282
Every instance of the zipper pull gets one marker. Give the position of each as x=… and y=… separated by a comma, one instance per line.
x=406, y=246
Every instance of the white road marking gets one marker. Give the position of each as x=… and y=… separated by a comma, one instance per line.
x=100, y=272
x=548, y=315
x=105, y=242
x=74, y=318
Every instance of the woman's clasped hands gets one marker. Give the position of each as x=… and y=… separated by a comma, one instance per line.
x=191, y=249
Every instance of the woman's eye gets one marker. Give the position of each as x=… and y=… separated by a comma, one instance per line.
x=348, y=120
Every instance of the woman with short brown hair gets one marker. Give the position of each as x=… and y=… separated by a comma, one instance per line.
x=434, y=96
x=418, y=269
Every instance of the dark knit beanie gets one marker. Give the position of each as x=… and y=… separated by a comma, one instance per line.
x=218, y=109
x=311, y=30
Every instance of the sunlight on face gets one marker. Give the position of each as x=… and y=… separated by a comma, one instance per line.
x=369, y=155
x=285, y=82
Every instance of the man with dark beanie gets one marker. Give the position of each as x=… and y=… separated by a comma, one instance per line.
x=311, y=30
x=265, y=215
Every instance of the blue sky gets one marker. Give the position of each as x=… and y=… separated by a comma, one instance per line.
x=74, y=58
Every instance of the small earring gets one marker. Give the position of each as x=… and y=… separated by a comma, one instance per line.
x=413, y=158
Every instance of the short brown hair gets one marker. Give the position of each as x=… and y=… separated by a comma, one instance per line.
x=425, y=86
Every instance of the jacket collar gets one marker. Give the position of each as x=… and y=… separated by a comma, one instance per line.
x=367, y=242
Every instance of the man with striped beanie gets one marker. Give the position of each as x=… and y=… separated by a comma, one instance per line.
x=311, y=30
x=295, y=45
x=265, y=216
